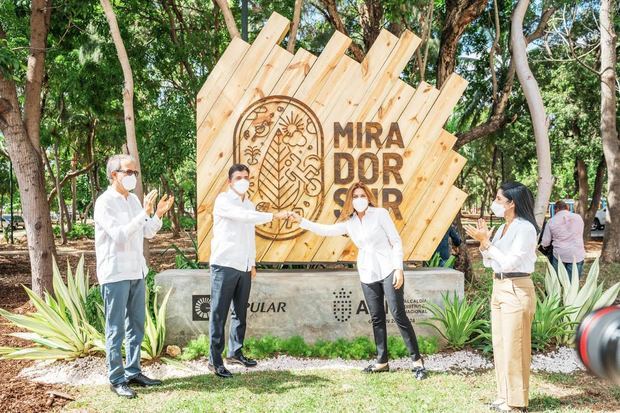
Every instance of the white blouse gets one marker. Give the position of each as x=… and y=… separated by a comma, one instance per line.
x=375, y=235
x=515, y=251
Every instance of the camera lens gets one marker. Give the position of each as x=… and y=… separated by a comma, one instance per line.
x=598, y=343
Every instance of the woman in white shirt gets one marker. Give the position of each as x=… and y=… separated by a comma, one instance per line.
x=512, y=255
x=380, y=266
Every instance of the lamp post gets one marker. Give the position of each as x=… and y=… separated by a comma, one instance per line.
x=244, y=20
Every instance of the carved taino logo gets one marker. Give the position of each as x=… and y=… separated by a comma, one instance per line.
x=281, y=139
x=342, y=305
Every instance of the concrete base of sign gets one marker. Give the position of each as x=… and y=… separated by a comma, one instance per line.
x=313, y=305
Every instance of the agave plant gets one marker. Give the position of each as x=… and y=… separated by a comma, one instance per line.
x=155, y=326
x=436, y=259
x=59, y=328
x=551, y=322
x=585, y=299
x=582, y=300
x=459, y=321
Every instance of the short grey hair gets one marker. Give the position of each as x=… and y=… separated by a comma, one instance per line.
x=114, y=163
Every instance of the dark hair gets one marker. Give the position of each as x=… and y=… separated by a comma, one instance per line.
x=523, y=200
x=238, y=167
x=560, y=205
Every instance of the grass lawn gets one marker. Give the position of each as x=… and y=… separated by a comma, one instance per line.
x=350, y=391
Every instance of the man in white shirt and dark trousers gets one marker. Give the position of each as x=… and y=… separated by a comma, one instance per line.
x=121, y=224
x=233, y=266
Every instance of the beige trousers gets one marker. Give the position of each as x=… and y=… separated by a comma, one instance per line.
x=513, y=304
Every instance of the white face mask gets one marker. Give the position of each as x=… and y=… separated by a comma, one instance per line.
x=360, y=204
x=498, y=209
x=129, y=182
x=241, y=186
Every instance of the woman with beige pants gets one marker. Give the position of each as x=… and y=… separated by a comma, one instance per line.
x=512, y=255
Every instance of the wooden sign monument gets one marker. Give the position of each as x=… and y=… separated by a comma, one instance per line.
x=310, y=126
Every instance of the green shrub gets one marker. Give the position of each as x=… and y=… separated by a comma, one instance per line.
x=78, y=231
x=94, y=309
x=361, y=348
x=187, y=223
x=199, y=347
x=460, y=321
x=550, y=325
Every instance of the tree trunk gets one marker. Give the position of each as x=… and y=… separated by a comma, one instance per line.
x=585, y=209
x=609, y=132
x=174, y=212
x=292, y=36
x=332, y=15
x=536, y=108
x=61, y=210
x=22, y=140
x=463, y=262
x=130, y=126
x=459, y=14
x=73, y=190
x=229, y=19
x=132, y=145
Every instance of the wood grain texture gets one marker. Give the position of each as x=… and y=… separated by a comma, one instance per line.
x=292, y=118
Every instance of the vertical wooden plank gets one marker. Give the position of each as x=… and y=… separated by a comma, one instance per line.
x=271, y=34
x=218, y=78
x=421, y=210
x=440, y=223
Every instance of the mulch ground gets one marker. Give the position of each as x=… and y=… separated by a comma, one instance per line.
x=23, y=396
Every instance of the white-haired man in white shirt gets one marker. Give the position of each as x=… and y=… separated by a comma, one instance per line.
x=121, y=224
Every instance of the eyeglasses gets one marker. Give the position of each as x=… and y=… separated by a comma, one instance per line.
x=128, y=172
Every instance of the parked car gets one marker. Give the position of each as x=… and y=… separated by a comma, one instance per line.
x=600, y=219
x=18, y=221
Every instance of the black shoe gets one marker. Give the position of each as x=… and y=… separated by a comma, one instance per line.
x=123, y=390
x=419, y=373
x=241, y=359
x=220, y=371
x=374, y=369
x=141, y=380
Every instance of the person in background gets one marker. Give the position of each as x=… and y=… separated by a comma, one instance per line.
x=443, y=249
x=233, y=266
x=380, y=267
x=121, y=224
x=565, y=232
x=511, y=253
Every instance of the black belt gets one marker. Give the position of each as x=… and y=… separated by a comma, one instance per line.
x=502, y=275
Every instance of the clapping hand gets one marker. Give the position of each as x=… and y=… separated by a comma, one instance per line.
x=149, y=202
x=480, y=232
x=164, y=205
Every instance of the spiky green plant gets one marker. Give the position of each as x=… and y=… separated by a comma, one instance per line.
x=59, y=328
x=155, y=326
x=458, y=320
